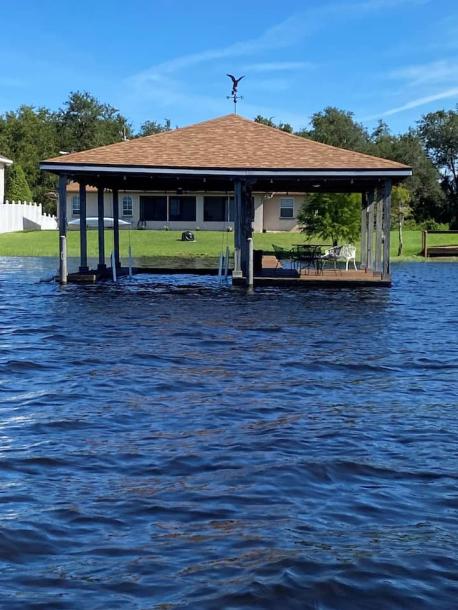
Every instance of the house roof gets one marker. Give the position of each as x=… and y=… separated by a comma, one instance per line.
x=227, y=142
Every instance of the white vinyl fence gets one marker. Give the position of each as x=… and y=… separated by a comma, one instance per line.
x=25, y=216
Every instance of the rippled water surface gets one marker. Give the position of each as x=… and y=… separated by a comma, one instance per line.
x=167, y=443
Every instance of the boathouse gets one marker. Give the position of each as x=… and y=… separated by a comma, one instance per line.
x=229, y=156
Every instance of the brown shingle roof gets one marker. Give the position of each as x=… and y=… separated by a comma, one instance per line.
x=231, y=142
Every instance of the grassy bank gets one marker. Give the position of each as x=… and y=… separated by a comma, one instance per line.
x=168, y=243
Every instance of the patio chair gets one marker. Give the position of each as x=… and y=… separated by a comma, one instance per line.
x=281, y=254
x=346, y=253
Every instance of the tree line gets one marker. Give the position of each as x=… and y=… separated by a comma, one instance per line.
x=29, y=135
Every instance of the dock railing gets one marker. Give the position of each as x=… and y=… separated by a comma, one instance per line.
x=437, y=250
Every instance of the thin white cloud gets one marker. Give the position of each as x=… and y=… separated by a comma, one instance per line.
x=442, y=71
x=281, y=35
x=272, y=85
x=421, y=101
x=385, y=4
x=278, y=66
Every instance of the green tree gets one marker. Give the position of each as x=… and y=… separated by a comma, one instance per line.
x=427, y=197
x=334, y=216
x=270, y=123
x=150, y=128
x=29, y=135
x=85, y=122
x=338, y=128
x=16, y=187
x=439, y=132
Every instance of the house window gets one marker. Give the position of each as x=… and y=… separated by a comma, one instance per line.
x=182, y=208
x=153, y=208
x=127, y=206
x=75, y=205
x=287, y=207
x=218, y=209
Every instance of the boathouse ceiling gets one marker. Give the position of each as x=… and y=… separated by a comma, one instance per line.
x=179, y=183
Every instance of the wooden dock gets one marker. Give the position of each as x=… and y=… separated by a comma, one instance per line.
x=92, y=276
x=274, y=275
x=270, y=275
x=444, y=250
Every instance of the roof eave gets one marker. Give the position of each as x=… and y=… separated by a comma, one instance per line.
x=236, y=172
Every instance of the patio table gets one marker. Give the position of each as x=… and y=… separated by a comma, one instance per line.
x=309, y=254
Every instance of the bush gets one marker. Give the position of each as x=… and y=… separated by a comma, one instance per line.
x=429, y=225
x=17, y=188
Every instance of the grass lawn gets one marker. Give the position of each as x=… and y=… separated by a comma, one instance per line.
x=168, y=243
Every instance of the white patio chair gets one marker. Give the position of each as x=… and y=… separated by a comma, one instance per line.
x=346, y=253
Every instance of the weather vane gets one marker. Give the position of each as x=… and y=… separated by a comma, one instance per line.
x=234, y=96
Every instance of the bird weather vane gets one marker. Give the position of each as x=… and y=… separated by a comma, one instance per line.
x=234, y=94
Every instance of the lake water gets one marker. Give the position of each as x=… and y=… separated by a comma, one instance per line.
x=169, y=443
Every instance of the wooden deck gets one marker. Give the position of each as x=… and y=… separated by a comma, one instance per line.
x=93, y=276
x=272, y=275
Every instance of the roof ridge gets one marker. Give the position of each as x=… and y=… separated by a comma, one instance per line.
x=185, y=127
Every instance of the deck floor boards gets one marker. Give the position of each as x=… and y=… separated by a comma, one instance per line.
x=273, y=274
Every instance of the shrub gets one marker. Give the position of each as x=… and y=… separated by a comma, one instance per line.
x=16, y=187
x=430, y=225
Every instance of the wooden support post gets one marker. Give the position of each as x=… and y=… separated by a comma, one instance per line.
x=243, y=235
x=378, y=232
x=386, y=270
x=247, y=218
x=250, y=274
x=63, y=229
x=370, y=232
x=63, y=273
x=83, y=229
x=364, y=231
x=113, y=267
x=101, y=228
x=237, y=271
x=116, y=228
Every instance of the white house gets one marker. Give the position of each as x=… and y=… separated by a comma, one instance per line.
x=180, y=211
x=4, y=162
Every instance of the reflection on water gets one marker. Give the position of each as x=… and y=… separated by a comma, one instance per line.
x=169, y=443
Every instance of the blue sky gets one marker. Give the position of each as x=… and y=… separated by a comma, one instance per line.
x=390, y=59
